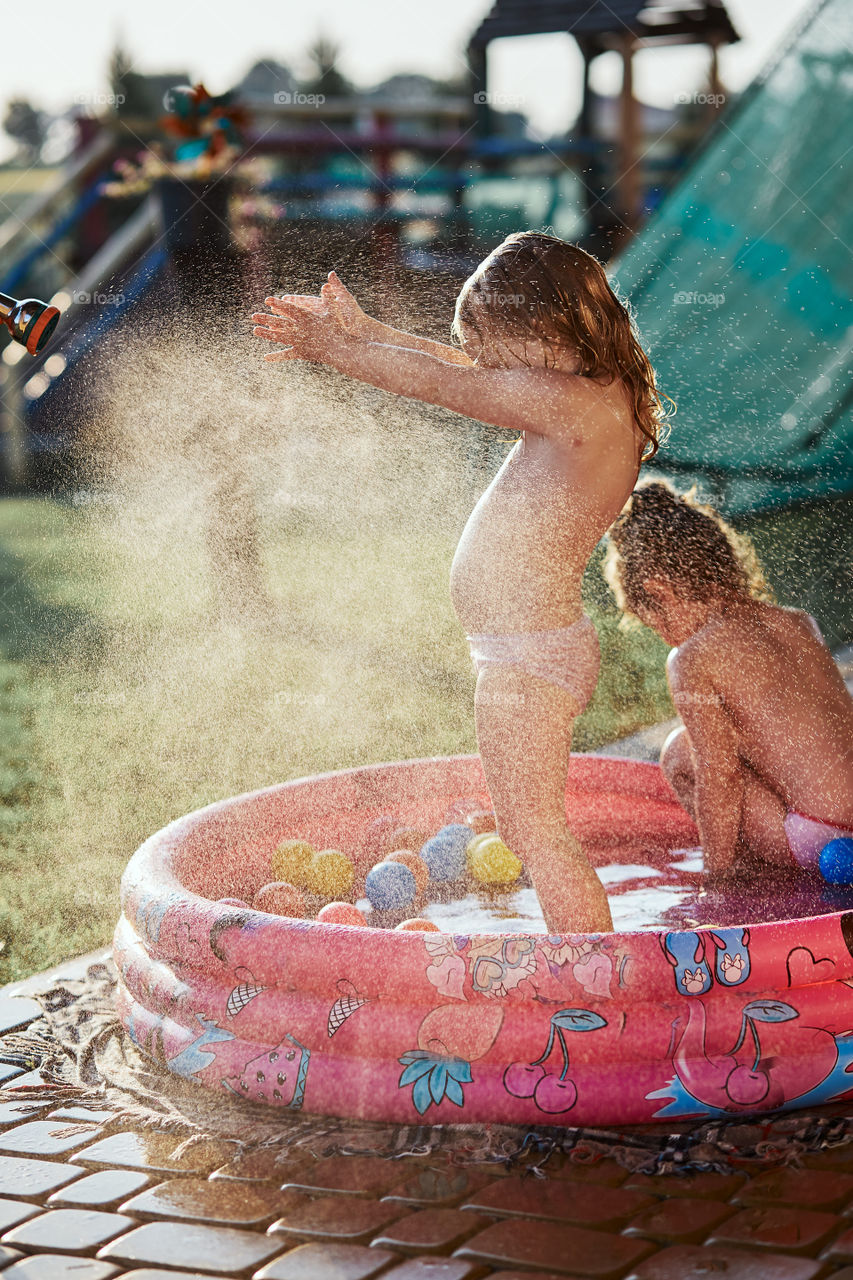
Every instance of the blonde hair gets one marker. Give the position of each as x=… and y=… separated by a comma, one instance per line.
x=665, y=534
x=536, y=283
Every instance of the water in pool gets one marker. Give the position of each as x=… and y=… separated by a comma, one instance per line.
x=656, y=892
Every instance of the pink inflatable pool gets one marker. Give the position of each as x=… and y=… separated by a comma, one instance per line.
x=517, y=1028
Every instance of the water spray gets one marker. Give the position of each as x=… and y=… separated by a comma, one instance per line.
x=30, y=322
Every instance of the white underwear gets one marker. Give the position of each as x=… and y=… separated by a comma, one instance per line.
x=569, y=657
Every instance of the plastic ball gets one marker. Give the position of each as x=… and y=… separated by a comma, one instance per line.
x=836, y=861
x=407, y=838
x=491, y=862
x=418, y=926
x=444, y=853
x=280, y=899
x=481, y=820
x=340, y=913
x=389, y=886
x=416, y=865
x=329, y=874
x=290, y=860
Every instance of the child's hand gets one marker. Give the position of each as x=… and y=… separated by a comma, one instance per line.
x=304, y=321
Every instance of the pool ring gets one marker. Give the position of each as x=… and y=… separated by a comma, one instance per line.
x=407, y=1026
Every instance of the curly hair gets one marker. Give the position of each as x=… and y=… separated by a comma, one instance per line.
x=665, y=534
x=534, y=283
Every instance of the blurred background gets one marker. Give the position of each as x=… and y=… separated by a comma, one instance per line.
x=216, y=574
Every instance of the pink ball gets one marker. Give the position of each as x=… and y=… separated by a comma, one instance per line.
x=418, y=926
x=280, y=899
x=341, y=913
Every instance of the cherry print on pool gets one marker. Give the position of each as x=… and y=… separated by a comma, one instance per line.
x=275, y=1076
x=757, y=1057
x=551, y=1092
x=450, y=1038
x=688, y=954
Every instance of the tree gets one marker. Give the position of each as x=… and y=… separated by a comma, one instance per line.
x=324, y=54
x=127, y=86
x=27, y=126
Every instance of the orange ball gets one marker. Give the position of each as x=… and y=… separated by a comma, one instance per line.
x=280, y=899
x=481, y=820
x=407, y=838
x=419, y=926
x=416, y=865
x=341, y=913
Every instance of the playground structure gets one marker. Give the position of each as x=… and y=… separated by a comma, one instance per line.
x=422, y=182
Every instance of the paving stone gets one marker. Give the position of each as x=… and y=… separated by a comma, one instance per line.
x=327, y=1262
x=336, y=1218
x=350, y=1175
x=96, y=1115
x=436, y=1269
x=106, y=1187
x=52, y=1266
x=14, y=1113
x=679, y=1221
x=571, y=1251
x=68, y=1230
x=700, y=1186
x=8, y=1070
x=30, y=1080
x=262, y=1166
x=560, y=1201
x=526, y=1275
x=431, y=1231
x=14, y=1211
x=198, y=1200
x=163, y=1273
x=831, y=1158
x=801, y=1231
x=698, y=1262
x=152, y=1149
x=603, y=1173
x=440, y=1187
x=31, y=1179
x=221, y=1250
x=841, y=1250
x=43, y=1138
x=806, y=1188
x=16, y=1012
x=8, y=1255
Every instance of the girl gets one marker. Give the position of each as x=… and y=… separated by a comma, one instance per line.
x=767, y=741
x=547, y=350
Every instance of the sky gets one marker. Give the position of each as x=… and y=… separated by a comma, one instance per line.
x=217, y=42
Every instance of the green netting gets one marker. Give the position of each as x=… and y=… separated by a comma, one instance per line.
x=743, y=280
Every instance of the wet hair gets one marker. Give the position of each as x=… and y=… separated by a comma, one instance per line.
x=661, y=533
x=534, y=284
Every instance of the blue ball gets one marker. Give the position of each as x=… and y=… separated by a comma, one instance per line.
x=444, y=853
x=390, y=885
x=836, y=861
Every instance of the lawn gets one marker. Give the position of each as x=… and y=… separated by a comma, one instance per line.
x=130, y=695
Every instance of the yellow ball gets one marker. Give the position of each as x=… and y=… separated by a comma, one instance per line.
x=491, y=862
x=329, y=874
x=290, y=861
x=476, y=841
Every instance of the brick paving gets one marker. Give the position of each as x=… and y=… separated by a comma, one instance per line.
x=96, y=1205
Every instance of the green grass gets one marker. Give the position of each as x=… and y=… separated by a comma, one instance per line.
x=126, y=700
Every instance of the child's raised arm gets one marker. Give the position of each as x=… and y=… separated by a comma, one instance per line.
x=719, y=776
x=519, y=398
x=336, y=297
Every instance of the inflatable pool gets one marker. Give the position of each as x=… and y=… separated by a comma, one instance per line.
x=442, y=1027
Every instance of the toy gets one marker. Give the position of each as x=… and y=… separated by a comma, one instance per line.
x=280, y=899
x=444, y=853
x=836, y=861
x=389, y=886
x=341, y=913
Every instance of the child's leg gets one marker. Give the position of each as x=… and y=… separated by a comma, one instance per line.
x=762, y=829
x=524, y=732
